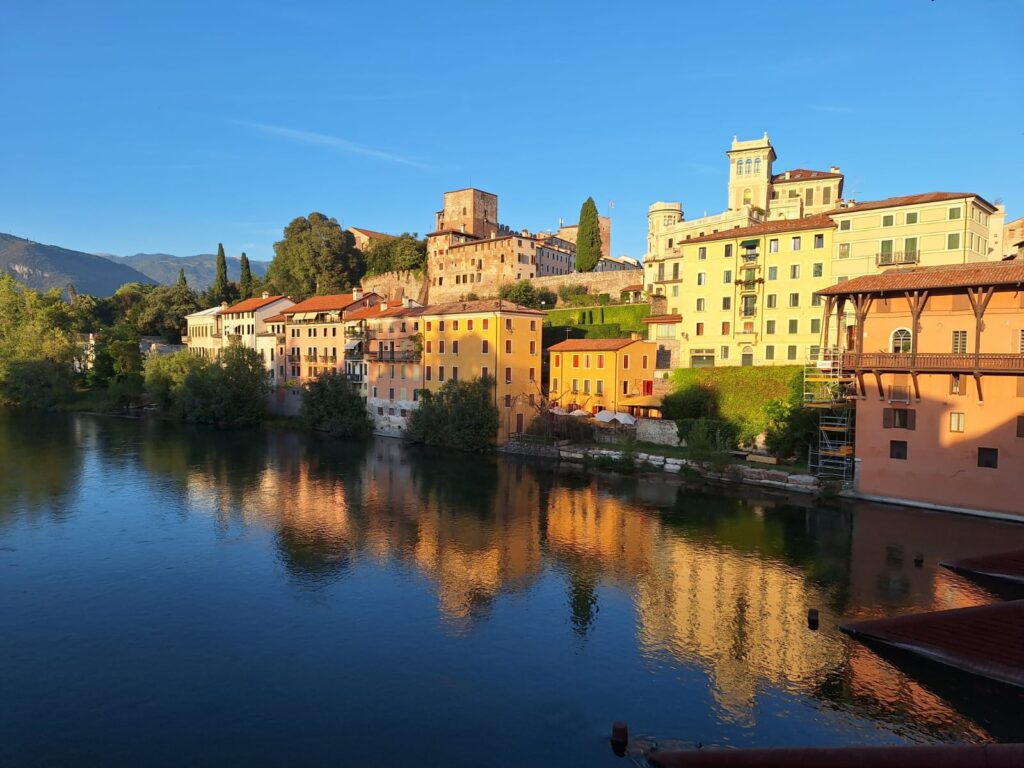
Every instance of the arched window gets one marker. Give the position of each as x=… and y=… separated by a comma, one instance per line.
x=901, y=341
x=757, y=165
x=747, y=197
x=739, y=167
x=749, y=162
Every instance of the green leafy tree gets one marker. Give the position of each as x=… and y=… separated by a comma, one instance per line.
x=405, y=252
x=35, y=383
x=245, y=286
x=331, y=404
x=181, y=277
x=520, y=292
x=460, y=415
x=588, y=238
x=232, y=392
x=163, y=309
x=315, y=256
x=165, y=376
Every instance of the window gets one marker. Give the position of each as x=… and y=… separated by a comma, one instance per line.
x=898, y=418
x=794, y=271
x=844, y=225
x=625, y=362
x=486, y=324
x=508, y=323
x=701, y=278
x=675, y=270
x=533, y=325
x=575, y=361
x=796, y=243
x=508, y=346
x=625, y=387
x=1020, y=425
x=455, y=347
x=727, y=302
x=816, y=325
x=791, y=352
x=771, y=299
x=700, y=329
x=600, y=361
x=508, y=401
x=844, y=250
x=817, y=269
x=725, y=353
x=700, y=305
x=988, y=458
x=769, y=352
x=739, y=167
x=586, y=386
x=912, y=217
x=469, y=325
x=728, y=250
x=809, y=197
x=769, y=327
x=819, y=241
x=702, y=252
x=956, y=422
x=757, y=165
x=826, y=196
x=725, y=328
x=954, y=213
x=554, y=385
x=455, y=373
x=727, y=276
x=485, y=347
x=953, y=241
x=898, y=449
x=794, y=326
x=426, y=372
x=508, y=375
x=455, y=325
x=440, y=325
x=959, y=342
x=773, y=273
x=888, y=220
x=599, y=387
x=440, y=373
x=794, y=299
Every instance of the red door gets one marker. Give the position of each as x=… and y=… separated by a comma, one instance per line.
x=519, y=423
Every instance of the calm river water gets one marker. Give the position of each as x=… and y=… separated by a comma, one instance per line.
x=175, y=595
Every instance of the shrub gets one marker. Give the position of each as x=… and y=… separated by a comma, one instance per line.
x=125, y=389
x=231, y=393
x=573, y=294
x=165, y=376
x=708, y=436
x=38, y=383
x=461, y=415
x=331, y=404
x=692, y=402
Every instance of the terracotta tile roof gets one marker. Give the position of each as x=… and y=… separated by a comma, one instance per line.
x=632, y=287
x=372, y=234
x=449, y=231
x=251, y=305
x=895, y=202
x=953, y=276
x=766, y=228
x=335, y=302
x=663, y=319
x=277, y=318
x=591, y=345
x=802, y=174
x=482, y=305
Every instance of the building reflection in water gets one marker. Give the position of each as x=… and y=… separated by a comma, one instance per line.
x=718, y=583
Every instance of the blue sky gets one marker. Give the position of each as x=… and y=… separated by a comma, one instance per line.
x=144, y=126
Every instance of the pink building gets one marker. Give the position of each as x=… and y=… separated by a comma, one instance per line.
x=937, y=355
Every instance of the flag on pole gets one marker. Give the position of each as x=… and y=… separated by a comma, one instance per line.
x=611, y=203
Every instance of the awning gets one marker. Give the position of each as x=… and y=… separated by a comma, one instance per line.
x=644, y=401
x=750, y=243
x=304, y=316
x=352, y=344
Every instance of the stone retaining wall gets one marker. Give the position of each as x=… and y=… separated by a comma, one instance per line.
x=658, y=431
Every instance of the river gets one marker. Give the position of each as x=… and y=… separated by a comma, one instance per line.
x=178, y=595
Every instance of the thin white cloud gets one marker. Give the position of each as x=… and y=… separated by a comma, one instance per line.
x=312, y=139
x=834, y=109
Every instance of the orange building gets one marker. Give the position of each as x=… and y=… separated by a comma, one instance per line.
x=316, y=332
x=937, y=354
x=601, y=374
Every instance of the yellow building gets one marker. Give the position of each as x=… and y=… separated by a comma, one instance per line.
x=466, y=340
x=739, y=285
x=600, y=374
x=204, y=335
x=744, y=296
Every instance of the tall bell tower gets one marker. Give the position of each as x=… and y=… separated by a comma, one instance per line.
x=750, y=173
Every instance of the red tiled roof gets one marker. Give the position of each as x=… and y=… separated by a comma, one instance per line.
x=802, y=174
x=251, y=305
x=895, y=202
x=919, y=278
x=377, y=310
x=372, y=234
x=765, y=228
x=633, y=287
x=663, y=319
x=591, y=345
x=482, y=305
x=335, y=302
x=276, y=318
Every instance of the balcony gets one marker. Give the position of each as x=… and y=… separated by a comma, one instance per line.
x=748, y=312
x=749, y=285
x=328, y=359
x=393, y=356
x=309, y=358
x=928, y=362
x=354, y=378
x=750, y=256
x=356, y=333
x=897, y=257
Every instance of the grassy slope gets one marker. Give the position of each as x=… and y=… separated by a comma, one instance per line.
x=743, y=391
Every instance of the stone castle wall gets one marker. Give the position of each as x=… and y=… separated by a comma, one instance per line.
x=398, y=285
x=597, y=282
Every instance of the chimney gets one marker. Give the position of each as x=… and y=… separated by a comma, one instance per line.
x=834, y=169
x=384, y=306
x=223, y=305
x=266, y=295
x=357, y=294
x=787, y=175
x=406, y=302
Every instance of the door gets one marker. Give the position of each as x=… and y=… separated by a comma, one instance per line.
x=702, y=361
x=747, y=356
x=519, y=423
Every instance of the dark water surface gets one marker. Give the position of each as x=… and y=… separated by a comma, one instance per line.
x=171, y=595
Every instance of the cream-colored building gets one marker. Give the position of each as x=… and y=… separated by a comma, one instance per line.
x=740, y=286
x=244, y=321
x=204, y=336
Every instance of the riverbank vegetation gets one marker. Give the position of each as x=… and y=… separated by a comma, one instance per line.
x=331, y=404
x=460, y=415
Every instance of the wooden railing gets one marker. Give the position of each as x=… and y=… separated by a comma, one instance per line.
x=897, y=257
x=929, y=361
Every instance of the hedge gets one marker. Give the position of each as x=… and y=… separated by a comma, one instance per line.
x=629, y=316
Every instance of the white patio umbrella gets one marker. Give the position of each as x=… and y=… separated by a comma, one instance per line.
x=559, y=411
x=579, y=412
x=605, y=416
x=624, y=418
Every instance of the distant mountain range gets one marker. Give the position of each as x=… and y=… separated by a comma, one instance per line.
x=43, y=267
x=48, y=266
x=199, y=269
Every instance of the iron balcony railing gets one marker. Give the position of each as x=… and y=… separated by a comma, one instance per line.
x=748, y=312
x=897, y=257
x=929, y=361
x=393, y=355
x=750, y=256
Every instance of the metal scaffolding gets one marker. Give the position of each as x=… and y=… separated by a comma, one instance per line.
x=831, y=390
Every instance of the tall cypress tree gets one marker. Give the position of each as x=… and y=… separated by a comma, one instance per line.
x=181, y=277
x=588, y=238
x=219, y=289
x=245, y=277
